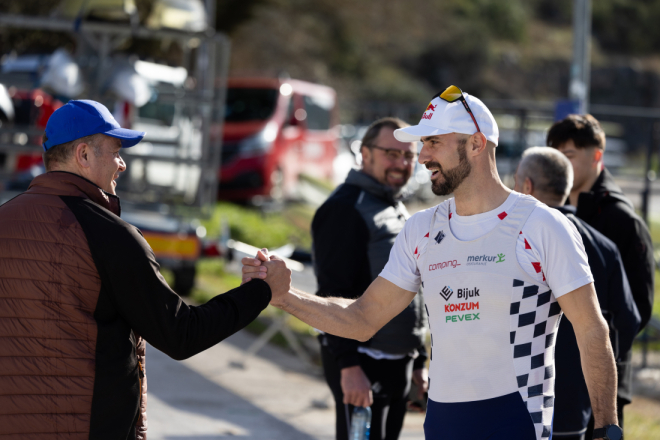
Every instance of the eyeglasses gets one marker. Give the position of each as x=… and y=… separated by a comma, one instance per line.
x=394, y=154
x=453, y=94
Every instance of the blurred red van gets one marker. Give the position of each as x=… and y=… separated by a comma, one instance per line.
x=274, y=131
x=32, y=109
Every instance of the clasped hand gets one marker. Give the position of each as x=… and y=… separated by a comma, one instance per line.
x=271, y=269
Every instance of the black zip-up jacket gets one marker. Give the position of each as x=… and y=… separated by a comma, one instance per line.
x=613, y=215
x=572, y=402
x=353, y=233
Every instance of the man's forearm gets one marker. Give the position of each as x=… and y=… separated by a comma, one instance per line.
x=337, y=316
x=600, y=375
x=592, y=334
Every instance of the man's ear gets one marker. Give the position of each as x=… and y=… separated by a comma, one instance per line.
x=366, y=154
x=598, y=154
x=477, y=143
x=82, y=152
x=528, y=186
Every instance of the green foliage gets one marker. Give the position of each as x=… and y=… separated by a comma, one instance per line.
x=620, y=26
x=502, y=19
x=460, y=60
x=656, y=302
x=212, y=279
x=258, y=228
x=642, y=424
x=30, y=41
x=28, y=7
x=627, y=26
x=231, y=14
x=559, y=12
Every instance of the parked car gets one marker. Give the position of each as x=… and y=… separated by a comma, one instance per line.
x=274, y=131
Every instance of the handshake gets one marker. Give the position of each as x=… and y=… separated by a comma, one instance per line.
x=271, y=269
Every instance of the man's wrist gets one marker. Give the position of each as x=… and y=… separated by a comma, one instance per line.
x=280, y=301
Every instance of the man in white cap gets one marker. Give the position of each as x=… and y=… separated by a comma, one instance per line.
x=498, y=269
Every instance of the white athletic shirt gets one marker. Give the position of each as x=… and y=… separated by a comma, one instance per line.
x=504, y=344
x=545, y=240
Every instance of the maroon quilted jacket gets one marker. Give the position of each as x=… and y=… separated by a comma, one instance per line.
x=79, y=290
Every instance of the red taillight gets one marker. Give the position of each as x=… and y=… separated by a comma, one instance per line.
x=211, y=249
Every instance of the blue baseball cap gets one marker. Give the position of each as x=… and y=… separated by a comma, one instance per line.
x=80, y=118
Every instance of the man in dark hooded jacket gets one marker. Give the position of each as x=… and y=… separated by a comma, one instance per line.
x=547, y=175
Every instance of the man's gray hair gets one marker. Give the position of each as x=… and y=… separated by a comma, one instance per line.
x=62, y=153
x=550, y=171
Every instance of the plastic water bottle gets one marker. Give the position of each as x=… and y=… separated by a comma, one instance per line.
x=360, y=423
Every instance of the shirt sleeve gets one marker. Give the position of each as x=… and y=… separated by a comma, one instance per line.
x=560, y=249
x=158, y=314
x=133, y=290
x=401, y=268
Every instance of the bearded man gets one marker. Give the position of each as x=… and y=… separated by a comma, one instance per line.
x=498, y=269
x=353, y=233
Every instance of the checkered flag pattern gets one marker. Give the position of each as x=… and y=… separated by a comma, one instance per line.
x=534, y=322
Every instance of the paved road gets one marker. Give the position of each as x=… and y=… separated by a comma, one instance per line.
x=275, y=397
x=204, y=397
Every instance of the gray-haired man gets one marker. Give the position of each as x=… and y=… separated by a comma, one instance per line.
x=547, y=175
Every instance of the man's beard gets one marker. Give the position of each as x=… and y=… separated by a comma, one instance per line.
x=453, y=177
x=397, y=189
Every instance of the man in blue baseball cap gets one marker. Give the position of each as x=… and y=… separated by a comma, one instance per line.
x=84, y=138
x=81, y=292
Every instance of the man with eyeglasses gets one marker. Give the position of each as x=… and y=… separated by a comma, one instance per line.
x=498, y=268
x=353, y=232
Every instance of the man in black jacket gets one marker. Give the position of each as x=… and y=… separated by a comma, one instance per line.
x=353, y=232
x=546, y=174
x=601, y=203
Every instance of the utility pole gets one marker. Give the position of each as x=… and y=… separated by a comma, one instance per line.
x=578, y=88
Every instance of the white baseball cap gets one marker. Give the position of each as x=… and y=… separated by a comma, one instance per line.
x=443, y=117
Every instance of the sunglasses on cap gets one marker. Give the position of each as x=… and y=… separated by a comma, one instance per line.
x=453, y=94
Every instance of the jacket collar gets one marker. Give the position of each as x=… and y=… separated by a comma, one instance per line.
x=62, y=183
x=371, y=185
x=604, y=190
x=566, y=209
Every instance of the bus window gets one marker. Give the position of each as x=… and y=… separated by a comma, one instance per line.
x=319, y=112
x=250, y=104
